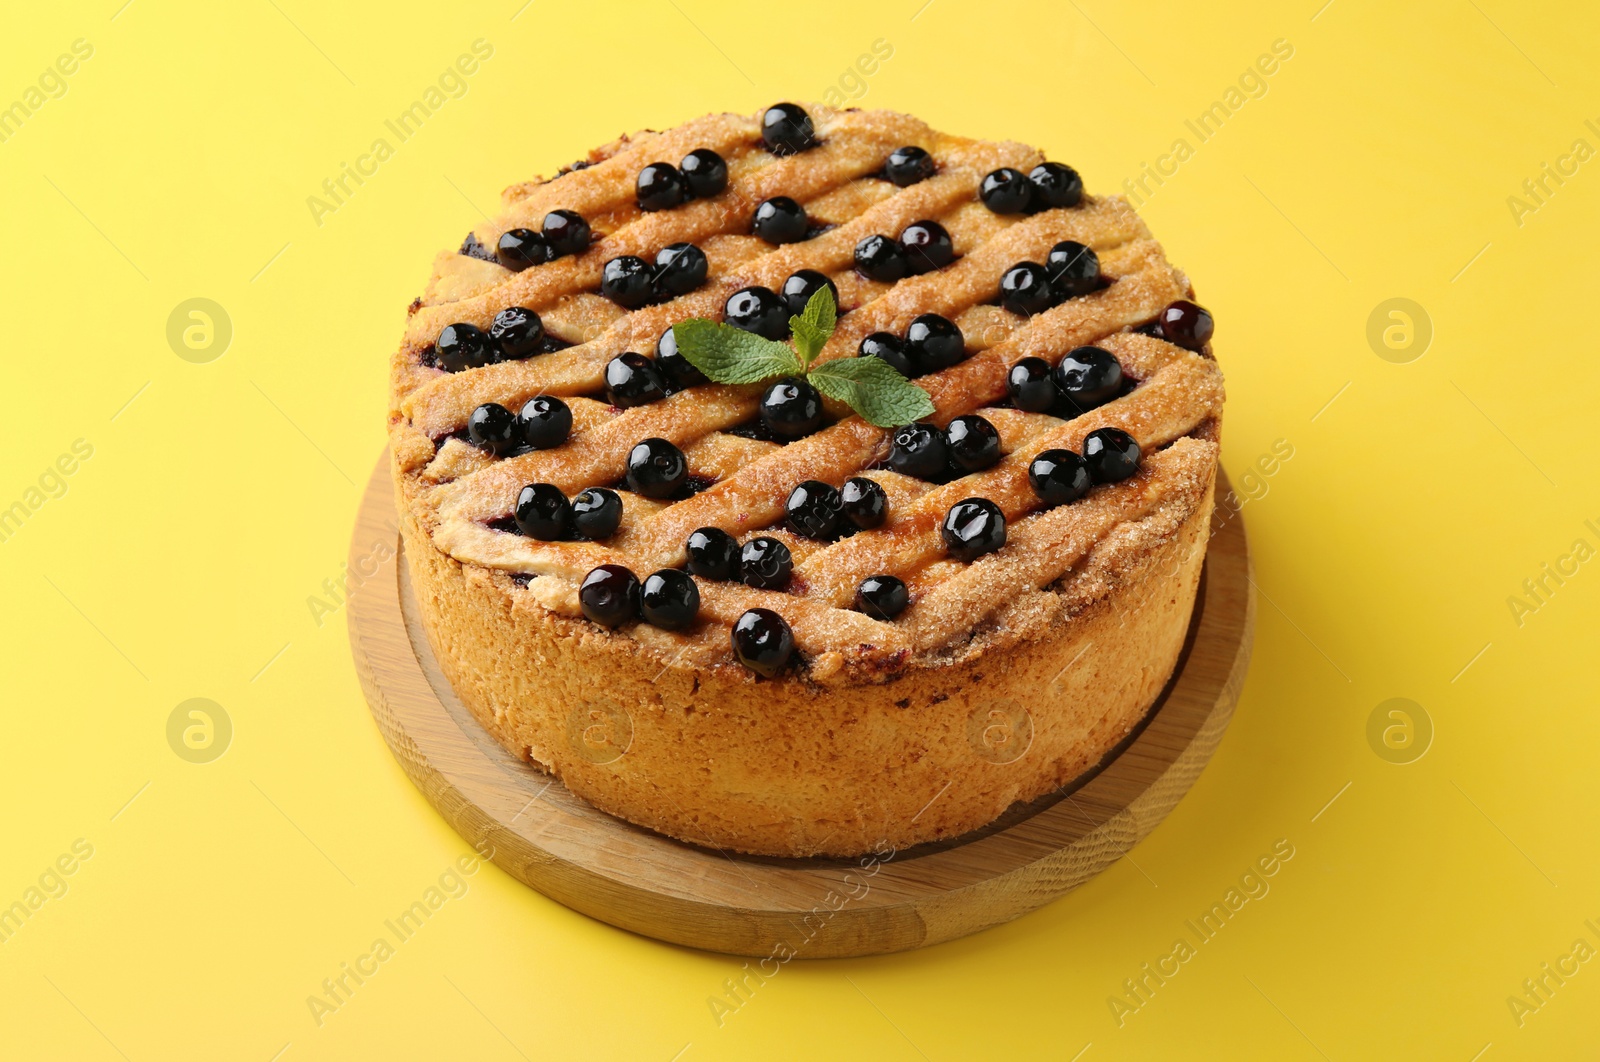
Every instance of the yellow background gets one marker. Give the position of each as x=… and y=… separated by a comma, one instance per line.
x=179, y=561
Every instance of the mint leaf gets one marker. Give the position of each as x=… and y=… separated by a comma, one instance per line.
x=731, y=355
x=813, y=325
x=872, y=388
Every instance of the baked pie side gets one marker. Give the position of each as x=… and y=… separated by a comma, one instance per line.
x=1006, y=676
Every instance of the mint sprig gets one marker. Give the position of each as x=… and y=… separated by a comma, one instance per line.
x=870, y=386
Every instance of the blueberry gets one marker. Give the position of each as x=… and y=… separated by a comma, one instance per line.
x=787, y=129
x=627, y=281
x=461, y=346
x=799, y=288
x=887, y=347
x=908, y=165
x=713, y=554
x=680, y=372
x=680, y=268
x=813, y=510
x=1186, y=324
x=882, y=597
x=596, y=513
x=566, y=232
x=1074, y=269
x=661, y=187
x=543, y=512
x=610, y=595
x=972, y=443
x=1111, y=455
x=972, y=528
x=763, y=642
x=669, y=600
x=493, y=427
x=1025, y=289
x=881, y=258
x=705, y=172
x=1006, y=191
x=758, y=310
x=546, y=422
x=656, y=469
x=1059, y=477
x=520, y=248
x=633, y=380
x=780, y=220
x=516, y=332
x=1088, y=377
x=919, y=450
x=791, y=408
x=927, y=246
x=1055, y=185
x=765, y=563
x=1030, y=386
x=934, y=343
x=863, y=502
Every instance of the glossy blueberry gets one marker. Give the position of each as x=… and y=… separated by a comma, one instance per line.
x=972, y=528
x=1058, y=477
x=461, y=346
x=628, y=282
x=863, y=502
x=791, y=408
x=972, y=443
x=656, y=469
x=1025, y=289
x=1111, y=454
x=661, y=187
x=1030, y=386
x=705, y=172
x=1187, y=324
x=520, y=248
x=543, y=512
x=813, y=510
x=927, y=246
x=566, y=232
x=934, y=343
x=680, y=268
x=680, y=372
x=1055, y=184
x=1006, y=191
x=596, y=512
x=633, y=380
x=908, y=165
x=763, y=642
x=765, y=563
x=786, y=129
x=759, y=310
x=919, y=450
x=493, y=427
x=882, y=597
x=545, y=422
x=609, y=595
x=713, y=554
x=799, y=288
x=669, y=600
x=887, y=346
x=516, y=333
x=780, y=220
x=1088, y=377
x=881, y=258
x=1074, y=269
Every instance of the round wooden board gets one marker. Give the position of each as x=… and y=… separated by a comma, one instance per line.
x=541, y=834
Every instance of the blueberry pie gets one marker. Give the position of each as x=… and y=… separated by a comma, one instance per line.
x=742, y=614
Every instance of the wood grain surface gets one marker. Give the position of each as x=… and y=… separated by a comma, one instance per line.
x=541, y=834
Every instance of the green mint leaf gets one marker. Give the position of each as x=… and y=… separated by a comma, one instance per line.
x=813, y=325
x=872, y=388
x=808, y=341
x=730, y=355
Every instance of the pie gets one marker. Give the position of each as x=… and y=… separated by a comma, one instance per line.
x=744, y=615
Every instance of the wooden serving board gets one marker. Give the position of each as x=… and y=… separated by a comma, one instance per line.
x=543, y=835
